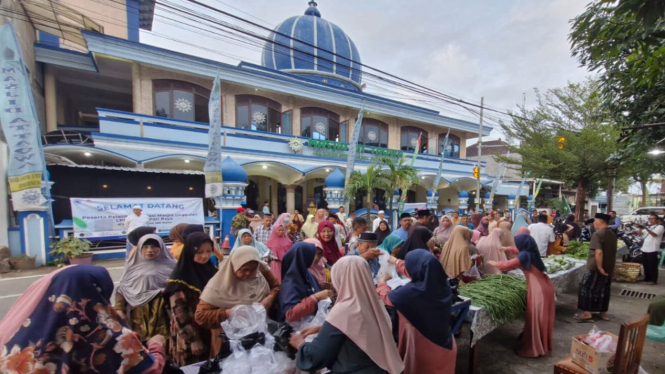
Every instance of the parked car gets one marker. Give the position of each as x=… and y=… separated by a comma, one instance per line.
x=641, y=214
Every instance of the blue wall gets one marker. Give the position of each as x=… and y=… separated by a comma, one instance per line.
x=133, y=20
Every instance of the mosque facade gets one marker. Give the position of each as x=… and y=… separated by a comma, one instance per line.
x=124, y=118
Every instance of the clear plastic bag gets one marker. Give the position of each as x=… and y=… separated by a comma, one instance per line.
x=471, y=275
x=600, y=341
x=244, y=320
x=322, y=311
x=386, y=269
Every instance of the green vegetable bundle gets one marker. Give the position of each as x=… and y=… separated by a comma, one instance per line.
x=578, y=250
x=503, y=296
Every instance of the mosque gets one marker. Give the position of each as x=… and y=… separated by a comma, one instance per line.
x=122, y=118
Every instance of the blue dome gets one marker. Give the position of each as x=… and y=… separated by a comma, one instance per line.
x=429, y=192
x=335, y=179
x=314, y=48
x=512, y=197
x=463, y=194
x=487, y=195
x=530, y=197
x=396, y=192
x=232, y=172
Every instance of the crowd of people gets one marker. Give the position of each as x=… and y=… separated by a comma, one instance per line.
x=170, y=303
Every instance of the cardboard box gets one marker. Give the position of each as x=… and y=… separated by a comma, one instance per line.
x=590, y=359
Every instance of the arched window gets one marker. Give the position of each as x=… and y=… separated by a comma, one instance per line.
x=258, y=113
x=180, y=100
x=374, y=133
x=452, y=148
x=320, y=124
x=409, y=139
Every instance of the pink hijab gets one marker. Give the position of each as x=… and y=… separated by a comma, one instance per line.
x=320, y=216
x=279, y=245
x=490, y=249
x=24, y=306
x=361, y=315
x=318, y=270
x=475, y=236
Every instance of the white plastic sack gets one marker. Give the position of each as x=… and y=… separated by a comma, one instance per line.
x=322, y=311
x=244, y=320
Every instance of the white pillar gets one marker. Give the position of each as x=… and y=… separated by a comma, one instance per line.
x=290, y=198
x=274, y=206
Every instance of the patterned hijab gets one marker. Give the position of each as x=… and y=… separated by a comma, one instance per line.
x=189, y=273
x=256, y=244
x=144, y=279
x=71, y=327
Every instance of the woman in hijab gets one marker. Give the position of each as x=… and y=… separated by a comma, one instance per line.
x=189, y=342
x=326, y=234
x=391, y=244
x=536, y=340
x=490, y=249
x=293, y=231
x=135, y=235
x=241, y=280
x=419, y=236
x=64, y=323
x=245, y=237
x=523, y=230
x=520, y=221
x=218, y=255
x=508, y=240
x=484, y=226
x=138, y=299
x=279, y=243
x=320, y=216
x=445, y=229
x=310, y=227
x=357, y=334
x=425, y=342
x=475, y=219
x=576, y=232
x=318, y=269
x=178, y=239
x=301, y=292
x=382, y=231
x=455, y=256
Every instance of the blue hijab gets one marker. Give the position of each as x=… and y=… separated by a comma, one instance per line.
x=427, y=299
x=74, y=328
x=297, y=282
x=529, y=253
x=520, y=221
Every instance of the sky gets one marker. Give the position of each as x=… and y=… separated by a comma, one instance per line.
x=468, y=49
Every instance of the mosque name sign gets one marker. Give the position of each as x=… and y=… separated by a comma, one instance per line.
x=329, y=148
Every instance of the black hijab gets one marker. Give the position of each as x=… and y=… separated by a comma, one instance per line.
x=577, y=230
x=529, y=253
x=381, y=235
x=418, y=237
x=135, y=235
x=189, y=273
x=192, y=228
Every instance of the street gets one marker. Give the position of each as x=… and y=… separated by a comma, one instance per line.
x=14, y=284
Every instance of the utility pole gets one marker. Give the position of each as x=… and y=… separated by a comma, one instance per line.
x=480, y=144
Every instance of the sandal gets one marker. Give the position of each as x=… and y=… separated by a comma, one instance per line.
x=606, y=318
x=583, y=320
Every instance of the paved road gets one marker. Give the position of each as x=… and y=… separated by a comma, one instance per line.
x=12, y=285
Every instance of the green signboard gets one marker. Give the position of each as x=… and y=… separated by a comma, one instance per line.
x=329, y=148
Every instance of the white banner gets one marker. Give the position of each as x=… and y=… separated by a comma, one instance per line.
x=99, y=217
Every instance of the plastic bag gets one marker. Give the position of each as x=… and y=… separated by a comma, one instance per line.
x=386, y=269
x=323, y=308
x=600, y=341
x=471, y=275
x=245, y=320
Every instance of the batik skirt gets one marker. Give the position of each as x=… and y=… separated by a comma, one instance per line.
x=594, y=293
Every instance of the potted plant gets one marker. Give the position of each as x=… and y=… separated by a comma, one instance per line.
x=74, y=249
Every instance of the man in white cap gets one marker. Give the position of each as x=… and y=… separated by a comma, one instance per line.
x=377, y=222
x=134, y=220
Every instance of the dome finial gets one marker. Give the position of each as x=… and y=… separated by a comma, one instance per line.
x=312, y=10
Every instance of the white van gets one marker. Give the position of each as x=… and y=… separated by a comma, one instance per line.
x=642, y=214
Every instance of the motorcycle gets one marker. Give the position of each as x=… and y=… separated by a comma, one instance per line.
x=633, y=241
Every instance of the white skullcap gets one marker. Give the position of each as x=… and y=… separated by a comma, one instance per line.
x=381, y=211
x=137, y=207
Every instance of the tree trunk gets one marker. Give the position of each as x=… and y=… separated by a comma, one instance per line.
x=369, y=206
x=579, y=203
x=645, y=192
x=610, y=194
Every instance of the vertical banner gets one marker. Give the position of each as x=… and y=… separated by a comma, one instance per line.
x=435, y=186
x=20, y=126
x=519, y=193
x=213, y=164
x=402, y=199
x=535, y=194
x=497, y=180
x=353, y=148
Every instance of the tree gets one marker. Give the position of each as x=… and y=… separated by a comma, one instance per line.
x=360, y=182
x=399, y=176
x=575, y=114
x=624, y=41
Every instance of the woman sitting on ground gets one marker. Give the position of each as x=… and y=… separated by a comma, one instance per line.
x=357, y=335
x=301, y=292
x=138, y=299
x=425, y=342
x=241, y=280
x=64, y=323
x=189, y=343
